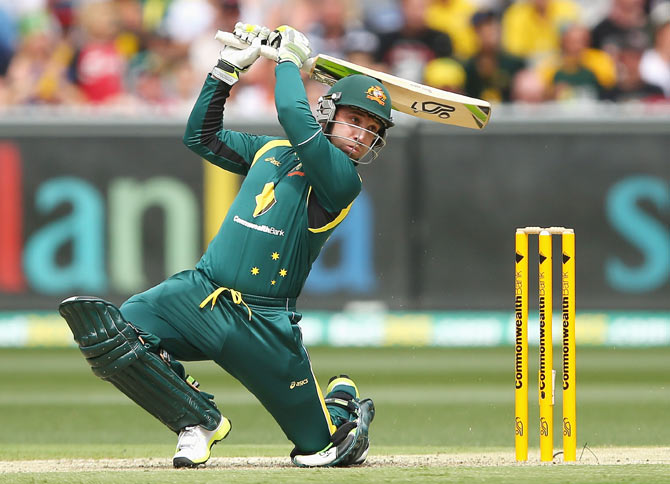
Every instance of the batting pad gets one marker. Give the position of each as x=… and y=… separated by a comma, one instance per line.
x=116, y=354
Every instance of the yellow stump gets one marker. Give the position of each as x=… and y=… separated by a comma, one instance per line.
x=521, y=347
x=568, y=337
x=546, y=373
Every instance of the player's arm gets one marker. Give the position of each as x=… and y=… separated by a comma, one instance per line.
x=330, y=172
x=205, y=135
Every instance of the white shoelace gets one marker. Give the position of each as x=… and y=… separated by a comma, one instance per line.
x=188, y=437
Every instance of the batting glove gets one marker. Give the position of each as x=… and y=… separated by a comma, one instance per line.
x=291, y=45
x=233, y=61
x=251, y=33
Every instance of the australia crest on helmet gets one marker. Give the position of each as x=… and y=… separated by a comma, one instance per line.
x=376, y=93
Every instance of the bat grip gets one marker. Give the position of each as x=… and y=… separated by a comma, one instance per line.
x=226, y=38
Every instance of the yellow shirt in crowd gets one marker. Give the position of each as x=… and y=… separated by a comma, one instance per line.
x=528, y=34
x=453, y=17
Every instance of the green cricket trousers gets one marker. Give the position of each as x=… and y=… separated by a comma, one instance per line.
x=255, y=339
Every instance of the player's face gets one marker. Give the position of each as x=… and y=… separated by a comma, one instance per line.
x=354, y=131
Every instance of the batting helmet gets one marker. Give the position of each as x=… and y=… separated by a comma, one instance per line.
x=360, y=92
x=357, y=90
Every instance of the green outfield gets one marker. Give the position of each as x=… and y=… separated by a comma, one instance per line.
x=430, y=401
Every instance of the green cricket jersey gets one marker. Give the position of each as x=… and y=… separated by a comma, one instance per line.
x=295, y=192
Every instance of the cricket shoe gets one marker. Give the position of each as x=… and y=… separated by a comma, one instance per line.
x=350, y=443
x=195, y=443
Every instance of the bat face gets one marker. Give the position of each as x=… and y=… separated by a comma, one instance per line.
x=410, y=97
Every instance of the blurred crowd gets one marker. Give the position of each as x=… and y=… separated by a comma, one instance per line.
x=137, y=53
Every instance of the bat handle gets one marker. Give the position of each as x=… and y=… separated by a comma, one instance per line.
x=268, y=52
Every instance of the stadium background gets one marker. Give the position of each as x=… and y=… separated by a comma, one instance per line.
x=99, y=196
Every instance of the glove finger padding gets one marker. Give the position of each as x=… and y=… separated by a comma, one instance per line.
x=251, y=33
x=291, y=44
x=274, y=40
x=262, y=37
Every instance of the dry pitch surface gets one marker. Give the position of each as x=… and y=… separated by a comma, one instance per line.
x=599, y=456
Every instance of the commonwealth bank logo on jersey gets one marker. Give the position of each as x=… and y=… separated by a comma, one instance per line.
x=260, y=228
x=376, y=93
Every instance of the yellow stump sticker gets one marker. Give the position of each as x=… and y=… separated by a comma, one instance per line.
x=568, y=347
x=521, y=347
x=546, y=373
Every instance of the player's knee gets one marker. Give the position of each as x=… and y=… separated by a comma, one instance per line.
x=105, y=338
x=137, y=312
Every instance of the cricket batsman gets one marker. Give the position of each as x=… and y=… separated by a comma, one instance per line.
x=238, y=306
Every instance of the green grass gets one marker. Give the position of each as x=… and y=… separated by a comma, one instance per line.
x=634, y=474
x=428, y=400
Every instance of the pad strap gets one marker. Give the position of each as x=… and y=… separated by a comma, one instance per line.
x=342, y=400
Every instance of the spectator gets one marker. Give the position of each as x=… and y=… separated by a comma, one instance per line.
x=180, y=83
x=37, y=73
x=339, y=31
x=593, y=11
x=578, y=70
x=154, y=13
x=300, y=14
x=223, y=15
x=445, y=73
x=453, y=18
x=132, y=36
x=571, y=79
x=626, y=23
x=255, y=91
x=100, y=66
x=150, y=73
x=382, y=16
x=602, y=64
x=531, y=28
x=361, y=47
x=337, y=27
x=65, y=13
x=655, y=62
x=149, y=84
x=490, y=73
x=256, y=12
x=8, y=39
x=101, y=51
x=186, y=20
x=630, y=85
x=406, y=51
x=528, y=88
x=496, y=5
x=139, y=49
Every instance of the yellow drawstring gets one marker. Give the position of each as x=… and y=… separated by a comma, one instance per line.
x=236, y=295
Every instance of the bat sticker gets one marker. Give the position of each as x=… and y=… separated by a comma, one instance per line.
x=442, y=111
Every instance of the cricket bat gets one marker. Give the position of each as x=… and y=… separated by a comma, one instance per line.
x=408, y=97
